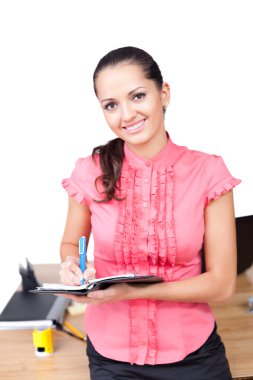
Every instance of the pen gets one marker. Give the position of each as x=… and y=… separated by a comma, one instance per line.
x=74, y=330
x=82, y=255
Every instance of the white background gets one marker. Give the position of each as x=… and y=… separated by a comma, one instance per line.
x=50, y=117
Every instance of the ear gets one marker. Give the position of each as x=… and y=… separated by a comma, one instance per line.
x=165, y=94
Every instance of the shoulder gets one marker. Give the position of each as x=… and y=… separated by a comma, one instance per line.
x=199, y=165
x=87, y=165
x=85, y=170
x=80, y=184
x=88, y=161
x=192, y=157
x=203, y=172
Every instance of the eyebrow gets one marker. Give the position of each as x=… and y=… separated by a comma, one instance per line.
x=130, y=93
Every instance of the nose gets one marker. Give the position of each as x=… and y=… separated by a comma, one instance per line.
x=127, y=112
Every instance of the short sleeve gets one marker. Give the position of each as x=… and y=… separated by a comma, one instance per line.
x=75, y=185
x=219, y=179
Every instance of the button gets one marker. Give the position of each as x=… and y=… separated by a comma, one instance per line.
x=145, y=229
x=148, y=164
x=145, y=204
x=146, y=180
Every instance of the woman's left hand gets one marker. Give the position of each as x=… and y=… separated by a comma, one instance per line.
x=118, y=292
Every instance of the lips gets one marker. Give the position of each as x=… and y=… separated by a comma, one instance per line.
x=135, y=126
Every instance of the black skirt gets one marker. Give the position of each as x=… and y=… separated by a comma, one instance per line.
x=209, y=362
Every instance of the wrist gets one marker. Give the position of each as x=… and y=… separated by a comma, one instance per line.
x=136, y=291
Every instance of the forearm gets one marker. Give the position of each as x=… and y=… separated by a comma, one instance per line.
x=78, y=224
x=68, y=249
x=205, y=287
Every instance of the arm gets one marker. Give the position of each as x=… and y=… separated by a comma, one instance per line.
x=215, y=285
x=78, y=223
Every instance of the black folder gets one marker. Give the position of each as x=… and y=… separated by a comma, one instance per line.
x=96, y=284
x=25, y=311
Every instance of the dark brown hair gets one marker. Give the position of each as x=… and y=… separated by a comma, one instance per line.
x=111, y=155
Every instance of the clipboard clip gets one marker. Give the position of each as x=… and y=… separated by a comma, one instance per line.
x=29, y=280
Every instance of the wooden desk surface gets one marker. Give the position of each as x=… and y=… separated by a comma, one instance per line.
x=235, y=326
x=17, y=355
x=69, y=361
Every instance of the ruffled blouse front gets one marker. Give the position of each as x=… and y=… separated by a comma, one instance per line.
x=145, y=238
x=157, y=229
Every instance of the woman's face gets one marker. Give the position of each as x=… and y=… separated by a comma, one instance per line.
x=132, y=104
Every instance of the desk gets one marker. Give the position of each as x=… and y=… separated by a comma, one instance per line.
x=17, y=357
x=235, y=327
x=69, y=362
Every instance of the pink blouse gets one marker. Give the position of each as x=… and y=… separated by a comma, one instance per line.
x=157, y=229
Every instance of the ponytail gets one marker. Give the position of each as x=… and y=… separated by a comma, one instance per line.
x=111, y=157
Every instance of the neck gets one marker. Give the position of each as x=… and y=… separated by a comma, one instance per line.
x=150, y=149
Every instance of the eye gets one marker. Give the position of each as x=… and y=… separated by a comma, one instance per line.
x=139, y=96
x=110, y=106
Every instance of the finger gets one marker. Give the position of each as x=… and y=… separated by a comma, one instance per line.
x=71, y=266
x=69, y=296
x=77, y=271
x=98, y=294
x=83, y=299
x=72, y=259
x=70, y=262
x=69, y=274
x=69, y=278
x=89, y=273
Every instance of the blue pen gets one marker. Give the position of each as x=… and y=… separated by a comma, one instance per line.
x=82, y=255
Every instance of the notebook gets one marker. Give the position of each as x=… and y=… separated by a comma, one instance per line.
x=96, y=284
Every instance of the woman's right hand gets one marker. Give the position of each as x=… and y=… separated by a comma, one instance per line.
x=71, y=274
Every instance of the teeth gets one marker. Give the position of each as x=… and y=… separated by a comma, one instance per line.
x=136, y=126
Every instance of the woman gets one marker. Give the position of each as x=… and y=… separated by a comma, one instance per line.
x=151, y=205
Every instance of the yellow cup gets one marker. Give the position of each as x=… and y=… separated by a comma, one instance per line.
x=43, y=341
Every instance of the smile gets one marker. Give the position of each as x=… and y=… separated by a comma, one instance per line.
x=134, y=127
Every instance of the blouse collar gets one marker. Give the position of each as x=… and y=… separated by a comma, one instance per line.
x=167, y=155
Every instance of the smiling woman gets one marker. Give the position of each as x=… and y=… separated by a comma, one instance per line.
x=137, y=107
x=151, y=205
x=134, y=102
